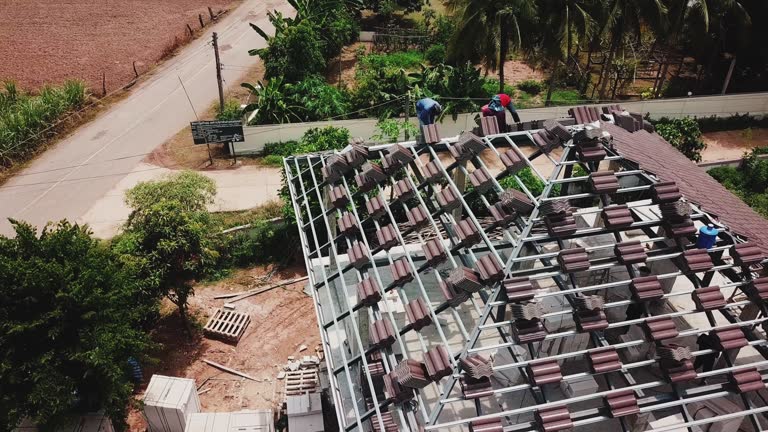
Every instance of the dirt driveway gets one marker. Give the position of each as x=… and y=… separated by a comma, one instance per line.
x=732, y=144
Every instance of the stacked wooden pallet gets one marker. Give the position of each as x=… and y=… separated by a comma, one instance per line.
x=227, y=324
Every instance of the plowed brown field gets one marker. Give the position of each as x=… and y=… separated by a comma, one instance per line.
x=46, y=41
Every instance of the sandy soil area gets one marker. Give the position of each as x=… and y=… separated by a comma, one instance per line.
x=516, y=71
x=51, y=41
x=282, y=320
x=732, y=144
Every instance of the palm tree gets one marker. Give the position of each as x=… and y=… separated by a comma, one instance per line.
x=487, y=30
x=564, y=21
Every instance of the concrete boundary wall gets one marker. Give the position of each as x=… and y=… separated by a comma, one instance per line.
x=703, y=106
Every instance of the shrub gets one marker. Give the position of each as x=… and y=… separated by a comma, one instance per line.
x=441, y=29
x=273, y=160
x=313, y=140
x=294, y=54
x=531, y=86
x=315, y=99
x=232, y=110
x=394, y=60
x=566, y=97
x=435, y=54
x=685, y=135
x=389, y=130
x=491, y=87
x=343, y=29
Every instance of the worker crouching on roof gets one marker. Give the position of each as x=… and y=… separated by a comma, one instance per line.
x=496, y=108
x=427, y=110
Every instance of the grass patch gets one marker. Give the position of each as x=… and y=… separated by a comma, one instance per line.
x=270, y=210
x=395, y=60
x=566, y=97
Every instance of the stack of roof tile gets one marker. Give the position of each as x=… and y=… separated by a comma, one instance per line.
x=368, y=293
x=621, y=403
x=589, y=145
x=501, y=217
x=573, y=260
x=375, y=365
x=589, y=315
x=430, y=134
x=518, y=289
x=418, y=314
x=676, y=372
x=527, y=331
x=433, y=173
x=372, y=175
x=584, y=114
x=403, y=190
x=609, y=109
x=389, y=423
x=560, y=224
x=465, y=279
x=545, y=371
x=630, y=252
x=665, y=192
x=411, y=374
x=489, y=125
x=708, y=298
x=513, y=161
x=448, y=199
x=468, y=233
x=481, y=180
x=438, y=363
x=338, y=197
x=401, y=273
x=746, y=254
x=660, y=328
x=646, y=288
x=526, y=310
x=489, y=268
x=348, y=224
x=729, y=338
x=553, y=419
x=453, y=296
x=627, y=122
x=477, y=366
x=546, y=141
x=358, y=255
x=675, y=210
x=395, y=392
x=757, y=290
x=674, y=352
x=696, y=260
x=684, y=228
x=434, y=252
x=335, y=168
x=387, y=237
x=357, y=155
x=468, y=145
x=604, y=182
x=556, y=128
x=376, y=207
x=552, y=207
x=746, y=380
x=475, y=388
x=487, y=425
x=617, y=216
x=602, y=360
x=517, y=201
x=396, y=158
x=381, y=333
x=417, y=217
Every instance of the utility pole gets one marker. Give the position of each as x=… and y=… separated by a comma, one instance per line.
x=218, y=71
x=407, y=109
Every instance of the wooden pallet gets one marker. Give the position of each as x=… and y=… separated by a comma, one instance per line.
x=301, y=381
x=227, y=324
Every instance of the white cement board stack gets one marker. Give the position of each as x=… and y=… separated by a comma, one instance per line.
x=242, y=421
x=305, y=413
x=168, y=402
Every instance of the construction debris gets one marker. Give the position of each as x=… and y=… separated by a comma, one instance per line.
x=226, y=369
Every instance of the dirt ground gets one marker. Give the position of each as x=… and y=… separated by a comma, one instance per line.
x=516, y=71
x=282, y=320
x=49, y=42
x=732, y=144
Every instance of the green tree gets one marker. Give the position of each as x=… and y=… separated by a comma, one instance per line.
x=272, y=105
x=684, y=134
x=70, y=318
x=294, y=53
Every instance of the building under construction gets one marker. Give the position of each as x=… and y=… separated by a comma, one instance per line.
x=625, y=291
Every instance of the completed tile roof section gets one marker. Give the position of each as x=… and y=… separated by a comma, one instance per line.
x=653, y=154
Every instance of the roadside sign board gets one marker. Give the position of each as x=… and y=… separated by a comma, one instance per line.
x=209, y=132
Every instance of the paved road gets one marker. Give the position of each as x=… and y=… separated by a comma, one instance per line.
x=67, y=180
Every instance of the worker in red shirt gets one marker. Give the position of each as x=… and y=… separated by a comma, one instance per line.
x=496, y=108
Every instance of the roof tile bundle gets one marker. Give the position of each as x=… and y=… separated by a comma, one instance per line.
x=584, y=114
x=376, y=367
x=746, y=254
x=546, y=141
x=609, y=109
x=515, y=200
x=487, y=425
x=501, y=216
x=465, y=279
x=573, y=260
x=387, y=236
x=513, y=161
x=551, y=207
x=394, y=391
x=684, y=228
x=621, y=403
x=358, y=255
x=527, y=331
x=542, y=372
x=403, y=190
x=438, y=363
x=553, y=419
x=676, y=372
x=338, y=163
x=489, y=268
x=746, y=380
x=665, y=191
x=433, y=173
x=708, y=298
x=660, y=328
x=348, y=224
x=453, y=296
x=589, y=302
x=481, y=180
x=417, y=217
x=617, y=216
x=434, y=252
x=675, y=210
x=430, y=133
x=468, y=233
x=329, y=175
x=381, y=333
x=418, y=314
x=696, y=260
x=368, y=293
x=448, y=199
x=590, y=320
x=604, y=182
x=602, y=360
x=627, y=122
x=526, y=310
x=589, y=145
x=389, y=423
x=560, y=224
x=489, y=125
x=474, y=389
x=396, y=158
x=376, y=207
x=518, y=289
x=372, y=175
x=338, y=197
x=757, y=289
x=401, y=272
x=357, y=155
x=646, y=288
x=411, y=374
x=674, y=352
x=556, y=128
x=630, y=252
x=470, y=142
x=476, y=366
x=729, y=338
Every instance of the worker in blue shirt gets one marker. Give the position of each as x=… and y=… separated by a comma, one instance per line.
x=427, y=110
